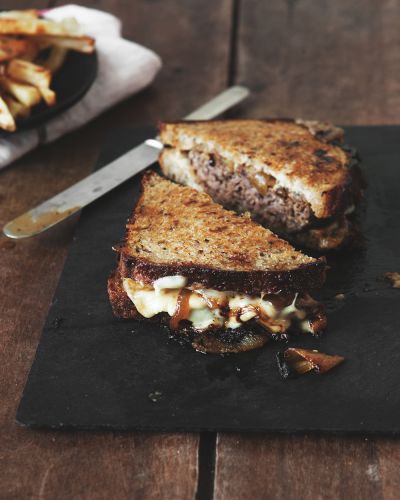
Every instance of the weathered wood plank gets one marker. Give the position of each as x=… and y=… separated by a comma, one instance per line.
x=292, y=467
x=387, y=471
x=21, y=4
x=87, y=466
x=335, y=61
x=190, y=37
x=321, y=59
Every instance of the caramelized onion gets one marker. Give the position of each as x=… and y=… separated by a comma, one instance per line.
x=182, y=309
x=315, y=313
x=262, y=182
x=294, y=361
x=211, y=344
x=279, y=301
x=394, y=278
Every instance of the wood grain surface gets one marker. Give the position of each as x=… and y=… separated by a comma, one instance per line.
x=21, y=4
x=312, y=58
x=316, y=58
x=49, y=465
x=332, y=61
x=296, y=467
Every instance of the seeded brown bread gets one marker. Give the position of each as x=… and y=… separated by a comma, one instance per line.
x=300, y=155
x=121, y=304
x=177, y=230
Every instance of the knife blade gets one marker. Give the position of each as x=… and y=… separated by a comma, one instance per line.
x=92, y=187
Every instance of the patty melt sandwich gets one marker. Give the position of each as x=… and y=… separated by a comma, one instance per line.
x=294, y=177
x=215, y=278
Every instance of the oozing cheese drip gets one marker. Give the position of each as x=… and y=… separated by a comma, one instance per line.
x=211, y=308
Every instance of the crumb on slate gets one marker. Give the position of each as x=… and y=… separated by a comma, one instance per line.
x=57, y=322
x=394, y=278
x=155, y=396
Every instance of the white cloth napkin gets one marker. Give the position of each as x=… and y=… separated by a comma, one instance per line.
x=124, y=68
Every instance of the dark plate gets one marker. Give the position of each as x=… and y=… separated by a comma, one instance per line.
x=70, y=83
x=93, y=371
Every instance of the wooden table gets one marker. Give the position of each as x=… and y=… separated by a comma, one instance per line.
x=334, y=60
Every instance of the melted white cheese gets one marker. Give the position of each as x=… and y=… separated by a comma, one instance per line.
x=202, y=319
x=167, y=282
x=246, y=301
x=306, y=326
x=204, y=304
x=292, y=309
x=148, y=302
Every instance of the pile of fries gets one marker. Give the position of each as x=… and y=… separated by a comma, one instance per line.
x=32, y=49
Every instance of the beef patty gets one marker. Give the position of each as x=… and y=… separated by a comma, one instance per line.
x=276, y=208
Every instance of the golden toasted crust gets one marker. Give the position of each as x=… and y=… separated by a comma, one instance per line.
x=178, y=230
x=298, y=154
x=121, y=304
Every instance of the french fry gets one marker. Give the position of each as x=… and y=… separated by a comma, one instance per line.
x=27, y=25
x=7, y=121
x=83, y=44
x=4, y=55
x=48, y=95
x=32, y=49
x=13, y=47
x=71, y=26
x=36, y=75
x=17, y=109
x=56, y=58
x=31, y=52
x=27, y=72
x=67, y=30
x=20, y=14
x=25, y=94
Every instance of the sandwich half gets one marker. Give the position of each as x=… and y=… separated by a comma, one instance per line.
x=215, y=278
x=295, y=177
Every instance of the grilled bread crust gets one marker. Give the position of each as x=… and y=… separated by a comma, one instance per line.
x=303, y=156
x=178, y=230
x=121, y=304
x=305, y=277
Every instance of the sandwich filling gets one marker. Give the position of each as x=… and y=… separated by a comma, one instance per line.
x=208, y=309
x=247, y=188
x=297, y=178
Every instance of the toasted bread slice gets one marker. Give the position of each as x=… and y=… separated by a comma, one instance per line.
x=299, y=156
x=121, y=305
x=176, y=230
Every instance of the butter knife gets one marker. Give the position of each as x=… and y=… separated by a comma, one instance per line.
x=92, y=187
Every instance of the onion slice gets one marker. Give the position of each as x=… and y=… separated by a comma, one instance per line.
x=295, y=361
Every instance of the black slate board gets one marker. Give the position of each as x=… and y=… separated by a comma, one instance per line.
x=93, y=371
